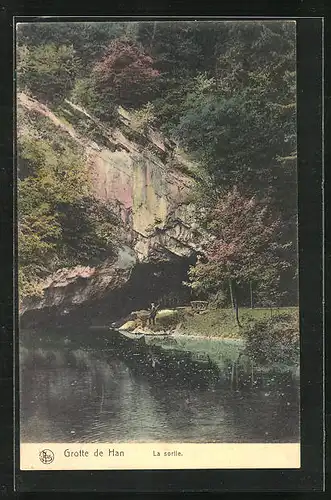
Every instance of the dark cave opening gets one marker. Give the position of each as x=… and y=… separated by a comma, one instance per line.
x=160, y=282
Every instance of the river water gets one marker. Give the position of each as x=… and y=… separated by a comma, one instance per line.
x=75, y=393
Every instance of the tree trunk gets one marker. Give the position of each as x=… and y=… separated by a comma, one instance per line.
x=251, y=294
x=231, y=294
x=234, y=301
x=237, y=314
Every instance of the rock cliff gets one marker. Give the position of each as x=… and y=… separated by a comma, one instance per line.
x=150, y=182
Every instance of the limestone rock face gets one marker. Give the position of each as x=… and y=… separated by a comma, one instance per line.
x=148, y=180
x=69, y=287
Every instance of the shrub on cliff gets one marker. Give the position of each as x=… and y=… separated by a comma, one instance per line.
x=143, y=118
x=275, y=339
x=100, y=104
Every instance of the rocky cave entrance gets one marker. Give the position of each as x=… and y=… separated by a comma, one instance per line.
x=160, y=282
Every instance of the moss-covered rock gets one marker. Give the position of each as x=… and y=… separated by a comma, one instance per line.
x=168, y=318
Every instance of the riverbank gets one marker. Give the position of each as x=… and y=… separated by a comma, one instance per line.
x=211, y=323
x=220, y=322
x=266, y=343
x=268, y=338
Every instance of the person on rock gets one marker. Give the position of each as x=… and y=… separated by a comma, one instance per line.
x=152, y=314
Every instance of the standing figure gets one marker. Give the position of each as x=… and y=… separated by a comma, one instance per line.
x=152, y=314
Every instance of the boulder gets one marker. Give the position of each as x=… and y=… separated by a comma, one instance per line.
x=129, y=326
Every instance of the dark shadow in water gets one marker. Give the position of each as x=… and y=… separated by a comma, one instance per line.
x=78, y=394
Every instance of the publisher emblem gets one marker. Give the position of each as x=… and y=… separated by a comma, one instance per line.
x=46, y=456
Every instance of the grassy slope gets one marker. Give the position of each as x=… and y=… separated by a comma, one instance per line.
x=221, y=323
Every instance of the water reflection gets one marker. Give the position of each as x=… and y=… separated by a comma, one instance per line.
x=78, y=394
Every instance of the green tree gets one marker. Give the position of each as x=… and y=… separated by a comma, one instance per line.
x=125, y=73
x=235, y=114
x=60, y=223
x=47, y=71
x=241, y=245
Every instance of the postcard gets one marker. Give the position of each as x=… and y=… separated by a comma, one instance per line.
x=157, y=245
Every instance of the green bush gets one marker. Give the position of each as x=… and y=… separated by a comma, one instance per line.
x=99, y=104
x=273, y=340
x=143, y=118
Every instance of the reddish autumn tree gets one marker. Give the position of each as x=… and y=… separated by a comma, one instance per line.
x=243, y=245
x=126, y=73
